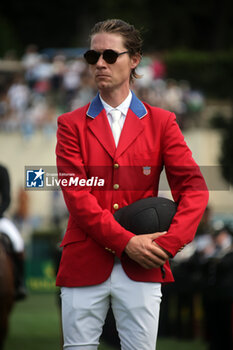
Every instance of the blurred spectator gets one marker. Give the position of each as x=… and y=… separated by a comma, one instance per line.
x=31, y=57
x=59, y=67
x=8, y=228
x=158, y=67
x=145, y=72
x=19, y=97
x=195, y=101
x=86, y=92
x=42, y=73
x=40, y=115
x=173, y=97
x=30, y=60
x=205, y=246
x=49, y=120
x=64, y=83
x=71, y=79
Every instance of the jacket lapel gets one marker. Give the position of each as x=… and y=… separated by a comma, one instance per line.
x=131, y=129
x=99, y=125
x=133, y=125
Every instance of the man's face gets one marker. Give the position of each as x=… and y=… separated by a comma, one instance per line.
x=116, y=75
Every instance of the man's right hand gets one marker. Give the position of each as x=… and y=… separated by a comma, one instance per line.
x=143, y=250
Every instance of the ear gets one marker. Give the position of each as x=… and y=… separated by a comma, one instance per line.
x=135, y=60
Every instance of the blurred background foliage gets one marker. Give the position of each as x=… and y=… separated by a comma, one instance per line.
x=167, y=24
x=212, y=72
x=195, y=37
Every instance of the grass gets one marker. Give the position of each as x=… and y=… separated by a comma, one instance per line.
x=34, y=324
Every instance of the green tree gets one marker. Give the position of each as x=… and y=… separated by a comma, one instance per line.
x=8, y=37
x=199, y=25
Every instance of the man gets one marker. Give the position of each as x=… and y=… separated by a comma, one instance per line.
x=102, y=262
x=9, y=229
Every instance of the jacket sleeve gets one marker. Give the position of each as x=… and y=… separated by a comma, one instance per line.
x=187, y=186
x=90, y=217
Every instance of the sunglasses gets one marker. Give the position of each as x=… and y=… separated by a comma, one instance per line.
x=110, y=56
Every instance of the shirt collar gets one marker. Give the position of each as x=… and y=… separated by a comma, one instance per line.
x=123, y=107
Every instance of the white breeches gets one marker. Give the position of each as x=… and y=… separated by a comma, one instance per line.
x=135, y=306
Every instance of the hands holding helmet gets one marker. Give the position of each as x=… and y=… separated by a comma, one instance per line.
x=144, y=250
x=148, y=218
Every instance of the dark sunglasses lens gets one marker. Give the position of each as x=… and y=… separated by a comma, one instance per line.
x=91, y=56
x=110, y=56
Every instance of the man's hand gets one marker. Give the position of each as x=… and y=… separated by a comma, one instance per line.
x=145, y=251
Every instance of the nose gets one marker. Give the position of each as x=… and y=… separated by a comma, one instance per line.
x=101, y=62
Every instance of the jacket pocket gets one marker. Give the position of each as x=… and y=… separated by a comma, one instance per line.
x=73, y=235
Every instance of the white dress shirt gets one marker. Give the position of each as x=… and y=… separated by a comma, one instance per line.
x=123, y=108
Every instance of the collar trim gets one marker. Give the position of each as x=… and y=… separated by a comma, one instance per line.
x=136, y=106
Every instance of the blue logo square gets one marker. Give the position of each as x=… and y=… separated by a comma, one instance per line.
x=35, y=178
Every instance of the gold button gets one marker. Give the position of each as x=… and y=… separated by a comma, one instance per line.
x=116, y=166
x=115, y=206
x=116, y=186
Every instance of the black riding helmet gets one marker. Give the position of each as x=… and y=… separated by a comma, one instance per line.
x=147, y=215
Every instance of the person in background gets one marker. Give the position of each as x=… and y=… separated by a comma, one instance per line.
x=8, y=228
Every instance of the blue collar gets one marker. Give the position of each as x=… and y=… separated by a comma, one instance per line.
x=136, y=106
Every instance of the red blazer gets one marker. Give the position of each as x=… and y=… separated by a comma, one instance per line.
x=150, y=140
